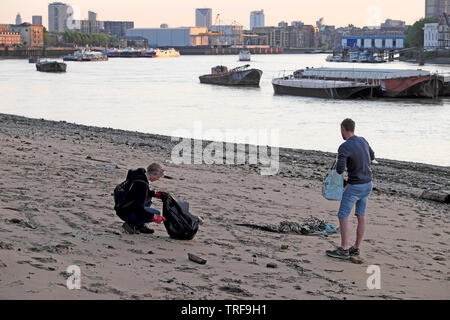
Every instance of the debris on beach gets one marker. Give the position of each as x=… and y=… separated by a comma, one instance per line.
x=436, y=196
x=310, y=226
x=439, y=258
x=196, y=259
x=356, y=259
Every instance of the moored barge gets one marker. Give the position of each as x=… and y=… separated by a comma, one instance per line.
x=51, y=66
x=240, y=76
x=393, y=82
x=326, y=89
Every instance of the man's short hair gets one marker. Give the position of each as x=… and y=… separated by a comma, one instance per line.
x=348, y=125
x=154, y=167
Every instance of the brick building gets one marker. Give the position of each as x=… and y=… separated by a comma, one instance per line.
x=31, y=35
x=9, y=39
x=444, y=32
x=276, y=36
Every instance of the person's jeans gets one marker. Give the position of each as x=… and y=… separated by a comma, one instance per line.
x=136, y=219
x=355, y=194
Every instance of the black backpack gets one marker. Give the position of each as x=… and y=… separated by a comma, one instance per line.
x=121, y=192
x=180, y=223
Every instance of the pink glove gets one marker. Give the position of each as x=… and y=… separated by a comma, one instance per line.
x=158, y=219
x=159, y=193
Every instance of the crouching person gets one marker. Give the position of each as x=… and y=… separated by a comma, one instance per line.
x=133, y=199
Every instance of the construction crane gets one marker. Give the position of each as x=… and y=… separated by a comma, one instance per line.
x=217, y=21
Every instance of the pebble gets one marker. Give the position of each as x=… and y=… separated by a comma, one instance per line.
x=356, y=260
x=272, y=265
x=439, y=258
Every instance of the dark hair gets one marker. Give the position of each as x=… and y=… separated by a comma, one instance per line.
x=348, y=125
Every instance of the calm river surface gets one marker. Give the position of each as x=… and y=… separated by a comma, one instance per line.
x=164, y=95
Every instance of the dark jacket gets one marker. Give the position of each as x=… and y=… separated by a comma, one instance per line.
x=356, y=155
x=139, y=192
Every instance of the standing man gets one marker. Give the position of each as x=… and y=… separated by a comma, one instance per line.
x=356, y=155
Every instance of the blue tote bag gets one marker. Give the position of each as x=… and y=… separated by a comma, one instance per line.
x=333, y=184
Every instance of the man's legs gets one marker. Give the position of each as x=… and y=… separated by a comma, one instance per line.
x=347, y=203
x=343, y=226
x=360, y=213
x=138, y=221
x=360, y=231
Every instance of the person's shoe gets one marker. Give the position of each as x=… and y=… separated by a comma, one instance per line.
x=129, y=229
x=339, y=253
x=353, y=251
x=144, y=229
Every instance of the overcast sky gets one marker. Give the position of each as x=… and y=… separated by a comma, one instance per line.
x=176, y=13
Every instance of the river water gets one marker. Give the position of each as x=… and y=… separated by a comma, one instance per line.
x=164, y=96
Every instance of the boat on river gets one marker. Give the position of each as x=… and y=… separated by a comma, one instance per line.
x=326, y=89
x=87, y=55
x=244, y=55
x=240, y=76
x=394, y=83
x=51, y=66
x=169, y=53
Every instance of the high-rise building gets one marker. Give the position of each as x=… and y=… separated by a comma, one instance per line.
x=87, y=26
x=436, y=8
x=18, y=19
x=320, y=24
x=203, y=17
x=117, y=28
x=92, y=16
x=36, y=20
x=231, y=35
x=256, y=19
x=297, y=24
x=57, y=16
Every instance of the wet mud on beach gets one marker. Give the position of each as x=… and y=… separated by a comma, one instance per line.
x=56, y=210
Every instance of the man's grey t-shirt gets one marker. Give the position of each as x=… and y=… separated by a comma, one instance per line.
x=356, y=155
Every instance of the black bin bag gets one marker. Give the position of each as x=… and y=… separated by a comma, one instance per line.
x=180, y=223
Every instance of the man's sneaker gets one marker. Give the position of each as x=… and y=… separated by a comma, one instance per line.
x=353, y=251
x=144, y=229
x=339, y=253
x=129, y=229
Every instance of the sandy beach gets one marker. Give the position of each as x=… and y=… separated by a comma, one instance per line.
x=56, y=210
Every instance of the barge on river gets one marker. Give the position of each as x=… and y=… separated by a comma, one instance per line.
x=394, y=83
x=327, y=89
x=51, y=66
x=240, y=76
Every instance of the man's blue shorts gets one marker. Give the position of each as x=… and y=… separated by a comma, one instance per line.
x=355, y=194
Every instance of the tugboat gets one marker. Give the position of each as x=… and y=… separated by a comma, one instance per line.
x=51, y=66
x=240, y=76
x=244, y=55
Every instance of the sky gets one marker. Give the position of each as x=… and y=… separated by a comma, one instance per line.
x=177, y=13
